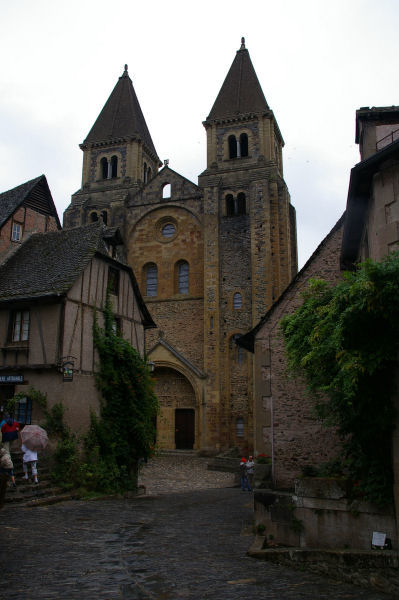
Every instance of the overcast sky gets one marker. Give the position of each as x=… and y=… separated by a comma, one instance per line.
x=317, y=62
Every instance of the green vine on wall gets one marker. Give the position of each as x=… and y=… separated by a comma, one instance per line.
x=125, y=431
x=344, y=341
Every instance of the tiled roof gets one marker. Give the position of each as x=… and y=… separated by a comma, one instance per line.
x=47, y=264
x=35, y=188
x=121, y=117
x=241, y=92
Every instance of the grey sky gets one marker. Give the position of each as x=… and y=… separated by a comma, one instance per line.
x=317, y=62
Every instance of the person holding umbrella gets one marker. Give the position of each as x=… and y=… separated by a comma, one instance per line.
x=34, y=438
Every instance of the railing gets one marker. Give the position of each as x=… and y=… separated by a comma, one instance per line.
x=387, y=140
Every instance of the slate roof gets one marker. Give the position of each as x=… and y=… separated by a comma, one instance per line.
x=241, y=92
x=121, y=117
x=34, y=191
x=48, y=264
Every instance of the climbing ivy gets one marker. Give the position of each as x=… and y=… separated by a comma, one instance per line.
x=124, y=432
x=344, y=341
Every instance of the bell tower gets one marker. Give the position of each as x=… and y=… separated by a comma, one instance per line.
x=119, y=158
x=249, y=239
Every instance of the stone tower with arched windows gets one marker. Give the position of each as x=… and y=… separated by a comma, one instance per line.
x=210, y=258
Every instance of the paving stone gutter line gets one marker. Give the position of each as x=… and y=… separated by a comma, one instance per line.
x=378, y=569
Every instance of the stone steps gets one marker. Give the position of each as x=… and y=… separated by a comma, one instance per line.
x=27, y=493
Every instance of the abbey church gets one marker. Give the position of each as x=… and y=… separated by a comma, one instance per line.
x=210, y=258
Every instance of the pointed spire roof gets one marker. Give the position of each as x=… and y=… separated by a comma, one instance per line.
x=241, y=92
x=121, y=117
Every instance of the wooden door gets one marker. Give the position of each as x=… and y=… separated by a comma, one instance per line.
x=184, y=428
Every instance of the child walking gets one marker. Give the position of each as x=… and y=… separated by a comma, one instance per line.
x=29, y=458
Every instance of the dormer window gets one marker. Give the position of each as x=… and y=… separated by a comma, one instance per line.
x=16, y=232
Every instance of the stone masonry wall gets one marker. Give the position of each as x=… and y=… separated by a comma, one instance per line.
x=285, y=423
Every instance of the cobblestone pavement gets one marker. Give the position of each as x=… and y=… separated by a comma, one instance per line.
x=187, y=544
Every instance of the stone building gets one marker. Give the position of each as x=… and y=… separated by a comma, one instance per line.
x=286, y=428
x=210, y=258
x=26, y=209
x=49, y=288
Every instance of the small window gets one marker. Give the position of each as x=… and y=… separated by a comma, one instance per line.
x=116, y=326
x=23, y=411
x=232, y=146
x=229, y=205
x=240, y=427
x=104, y=168
x=168, y=230
x=104, y=216
x=20, y=326
x=93, y=217
x=183, y=277
x=114, y=167
x=167, y=191
x=243, y=145
x=241, y=207
x=113, y=281
x=149, y=174
x=145, y=173
x=16, y=232
x=237, y=301
x=151, y=279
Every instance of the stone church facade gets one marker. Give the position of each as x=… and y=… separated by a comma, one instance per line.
x=210, y=258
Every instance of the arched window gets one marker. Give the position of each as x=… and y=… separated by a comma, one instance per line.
x=151, y=279
x=145, y=173
x=104, y=168
x=237, y=301
x=93, y=217
x=232, y=146
x=241, y=204
x=243, y=144
x=149, y=173
x=114, y=166
x=104, y=216
x=229, y=205
x=167, y=190
x=183, y=277
x=240, y=427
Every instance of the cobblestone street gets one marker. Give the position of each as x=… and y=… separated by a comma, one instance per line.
x=186, y=539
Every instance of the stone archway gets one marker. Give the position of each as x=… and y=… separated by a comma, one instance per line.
x=176, y=397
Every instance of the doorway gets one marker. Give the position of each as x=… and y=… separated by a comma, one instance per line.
x=184, y=428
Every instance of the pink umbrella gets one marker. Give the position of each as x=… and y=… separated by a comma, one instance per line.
x=34, y=437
